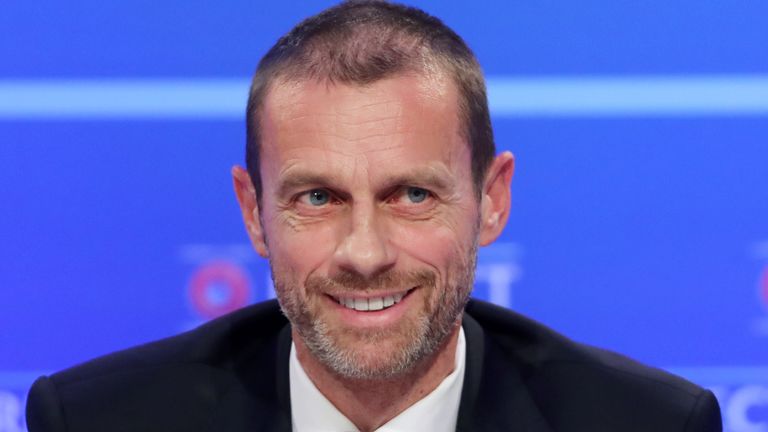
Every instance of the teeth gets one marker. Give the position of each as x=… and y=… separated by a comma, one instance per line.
x=376, y=304
x=361, y=304
x=372, y=304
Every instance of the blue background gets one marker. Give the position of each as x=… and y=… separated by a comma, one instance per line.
x=640, y=213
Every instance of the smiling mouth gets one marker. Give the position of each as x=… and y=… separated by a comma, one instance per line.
x=372, y=303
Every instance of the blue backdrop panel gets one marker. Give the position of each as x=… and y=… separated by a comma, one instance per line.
x=640, y=199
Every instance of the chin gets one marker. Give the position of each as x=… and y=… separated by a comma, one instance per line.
x=370, y=354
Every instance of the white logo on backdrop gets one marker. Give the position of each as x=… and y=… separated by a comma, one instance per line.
x=10, y=413
x=741, y=407
x=497, y=270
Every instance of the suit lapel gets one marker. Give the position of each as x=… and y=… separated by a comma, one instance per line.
x=282, y=377
x=494, y=396
x=258, y=396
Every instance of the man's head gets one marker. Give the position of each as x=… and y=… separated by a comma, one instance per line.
x=361, y=42
x=373, y=195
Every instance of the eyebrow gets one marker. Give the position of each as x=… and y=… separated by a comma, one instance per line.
x=300, y=180
x=436, y=179
x=432, y=178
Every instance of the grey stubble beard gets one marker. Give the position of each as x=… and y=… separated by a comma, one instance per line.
x=422, y=339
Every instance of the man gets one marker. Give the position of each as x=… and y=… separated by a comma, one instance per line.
x=371, y=182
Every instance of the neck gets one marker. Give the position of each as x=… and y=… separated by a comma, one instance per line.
x=371, y=403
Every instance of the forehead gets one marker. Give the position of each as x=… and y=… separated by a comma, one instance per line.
x=391, y=121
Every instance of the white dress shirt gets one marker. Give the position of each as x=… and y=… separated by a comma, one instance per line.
x=436, y=412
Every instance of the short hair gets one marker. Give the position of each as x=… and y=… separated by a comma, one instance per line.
x=361, y=42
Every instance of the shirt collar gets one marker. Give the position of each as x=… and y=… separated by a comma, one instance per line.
x=437, y=411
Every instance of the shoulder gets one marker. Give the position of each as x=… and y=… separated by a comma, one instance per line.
x=187, y=371
x=577, y=386
x=212, y=345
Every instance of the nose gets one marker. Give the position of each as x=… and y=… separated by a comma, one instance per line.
x=364, y=248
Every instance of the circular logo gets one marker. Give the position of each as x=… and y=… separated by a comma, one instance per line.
x=219, y=287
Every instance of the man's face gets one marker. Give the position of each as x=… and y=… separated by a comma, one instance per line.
x=370, y=218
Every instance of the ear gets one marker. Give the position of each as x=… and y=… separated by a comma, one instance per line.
x=496, y=198
x=246, y=196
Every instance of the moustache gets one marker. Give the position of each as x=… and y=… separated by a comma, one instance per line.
x=346, y=282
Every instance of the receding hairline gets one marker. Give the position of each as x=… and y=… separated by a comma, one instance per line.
x=433, y=83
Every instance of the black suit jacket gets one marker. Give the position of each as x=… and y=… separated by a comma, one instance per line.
x=231, y=375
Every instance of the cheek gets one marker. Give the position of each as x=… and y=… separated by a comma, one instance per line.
x=440, y=246
x=300, y=249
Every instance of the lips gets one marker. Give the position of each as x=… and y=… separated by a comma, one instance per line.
x=371, y=303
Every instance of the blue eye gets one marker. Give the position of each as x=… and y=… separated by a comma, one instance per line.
x=318, y=197
x=417, y=195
